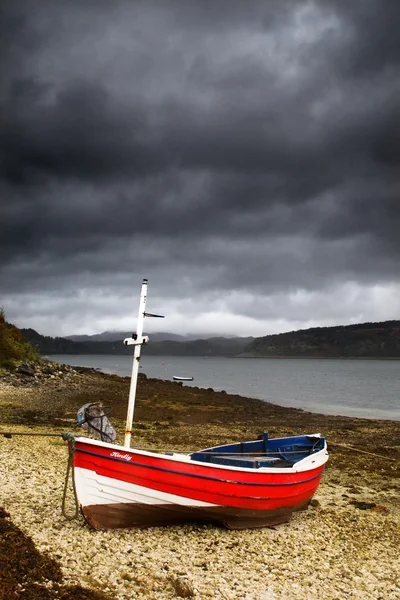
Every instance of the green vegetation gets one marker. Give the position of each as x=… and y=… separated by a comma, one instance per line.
x=13, y=346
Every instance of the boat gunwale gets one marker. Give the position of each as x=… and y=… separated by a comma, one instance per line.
x=304, y=464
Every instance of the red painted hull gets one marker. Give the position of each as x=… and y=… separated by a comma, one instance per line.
x=118, y=487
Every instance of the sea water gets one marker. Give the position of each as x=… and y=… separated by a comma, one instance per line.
x=352, y=387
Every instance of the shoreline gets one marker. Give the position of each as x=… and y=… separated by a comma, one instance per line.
x=68, y=387
x=353, y=410
x=345, y=546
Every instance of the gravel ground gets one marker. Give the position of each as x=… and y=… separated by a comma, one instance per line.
x=345, y=547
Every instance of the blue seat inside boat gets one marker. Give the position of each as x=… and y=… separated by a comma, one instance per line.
x=248, y=455
x=250, y=462
x=260, y=453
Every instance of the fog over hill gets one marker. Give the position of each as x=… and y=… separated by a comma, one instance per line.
x=161, y=336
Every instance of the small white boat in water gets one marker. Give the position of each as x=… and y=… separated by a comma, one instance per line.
x=176, y=378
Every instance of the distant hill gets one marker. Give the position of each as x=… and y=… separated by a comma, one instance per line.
x=218, y=346
x=366, y=340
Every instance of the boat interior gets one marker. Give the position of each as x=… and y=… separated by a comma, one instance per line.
x=265, y=452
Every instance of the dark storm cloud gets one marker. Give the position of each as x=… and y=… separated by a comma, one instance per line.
x=242, y=143
x=372, y=45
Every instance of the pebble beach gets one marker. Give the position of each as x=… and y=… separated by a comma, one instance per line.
x=345, y=547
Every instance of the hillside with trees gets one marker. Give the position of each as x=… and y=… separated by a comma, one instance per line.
x=366, y=340
x=13, y=346
x=218, y=346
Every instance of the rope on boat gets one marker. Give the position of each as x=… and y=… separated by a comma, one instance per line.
x=9, y=434
x=226, y=454
x=255, y=454
x=266, y=454
x=68, y=437
x=362, y=451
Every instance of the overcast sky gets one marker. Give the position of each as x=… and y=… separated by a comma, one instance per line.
x=242, y=155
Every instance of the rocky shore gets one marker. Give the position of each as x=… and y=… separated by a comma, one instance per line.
x=345, y=547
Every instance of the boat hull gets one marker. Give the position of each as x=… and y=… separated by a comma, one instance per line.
x=118, y=487
x=136, y=515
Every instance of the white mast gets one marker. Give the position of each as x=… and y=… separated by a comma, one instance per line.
x=135, y=365
x=137, y=340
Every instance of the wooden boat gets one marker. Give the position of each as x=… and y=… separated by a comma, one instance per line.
x=240, y=485
x=176, y=378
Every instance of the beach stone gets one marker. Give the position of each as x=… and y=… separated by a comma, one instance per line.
x=363, y=505
x=334, y=553
x=24, y=369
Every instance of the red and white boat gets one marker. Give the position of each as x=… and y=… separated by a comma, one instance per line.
x=240, y=485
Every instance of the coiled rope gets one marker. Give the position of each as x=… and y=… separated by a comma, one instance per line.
x=68, y=437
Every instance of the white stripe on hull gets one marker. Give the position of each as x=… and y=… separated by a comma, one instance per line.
x=96, y=489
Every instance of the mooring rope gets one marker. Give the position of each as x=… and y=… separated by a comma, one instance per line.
x=68, y=437
x=362, y=451
x=263, y=454
x=9, y=434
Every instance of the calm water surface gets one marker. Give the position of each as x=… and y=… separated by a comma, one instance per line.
x=357, y=388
